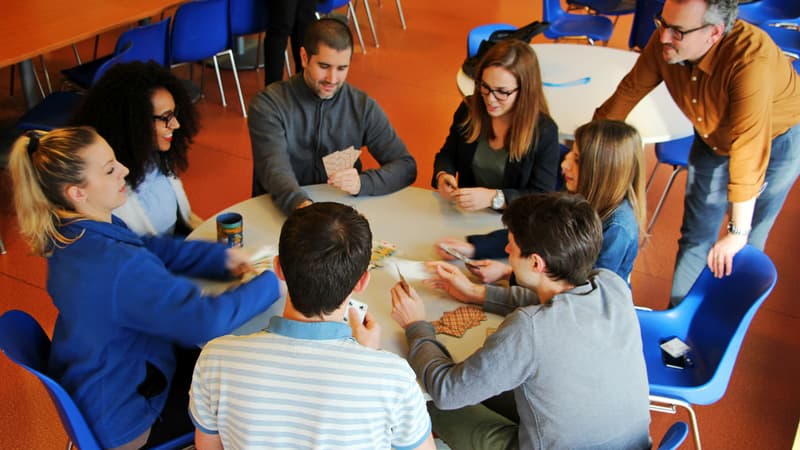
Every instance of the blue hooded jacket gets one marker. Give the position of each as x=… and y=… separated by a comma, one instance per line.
x=122, y=308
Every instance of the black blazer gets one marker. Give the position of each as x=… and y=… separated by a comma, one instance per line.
x=536, y=172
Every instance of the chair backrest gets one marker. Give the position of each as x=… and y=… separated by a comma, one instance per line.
x=151, y=42
x=24, y=342
x=721, y=310
x=124, y=55
x=199, y=30
x=247, y=16
x=643, y=25
x=551, y=10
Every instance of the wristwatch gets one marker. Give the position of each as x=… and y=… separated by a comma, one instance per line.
x=733, y=229
x=499, y=200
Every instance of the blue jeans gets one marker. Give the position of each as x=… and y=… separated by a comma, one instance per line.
x=706, y=203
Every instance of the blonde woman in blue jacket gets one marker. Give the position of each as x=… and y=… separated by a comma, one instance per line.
x=127, y=322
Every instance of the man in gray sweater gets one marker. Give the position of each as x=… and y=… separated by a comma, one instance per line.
x=569, y=349
x=294, y=123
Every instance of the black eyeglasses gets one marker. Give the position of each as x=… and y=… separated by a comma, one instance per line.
x=167, y=118
x=499, y=94
x=676, y=33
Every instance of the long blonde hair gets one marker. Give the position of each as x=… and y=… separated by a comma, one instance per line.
x=42, y=167
x=518, y=58
x=612, y=168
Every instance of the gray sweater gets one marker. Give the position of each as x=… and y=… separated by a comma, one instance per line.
x=576, y=367
x=291, y=129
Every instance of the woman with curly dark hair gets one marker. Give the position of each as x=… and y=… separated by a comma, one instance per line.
x=147, y=117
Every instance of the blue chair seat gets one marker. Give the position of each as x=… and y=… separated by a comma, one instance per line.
x=53, y=112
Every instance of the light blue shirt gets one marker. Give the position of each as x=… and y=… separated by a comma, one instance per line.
x=159, y=201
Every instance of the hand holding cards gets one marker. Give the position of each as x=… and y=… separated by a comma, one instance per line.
x=341, y=160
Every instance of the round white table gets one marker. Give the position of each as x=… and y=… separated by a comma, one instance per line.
x=412, y=218
x=572, y=98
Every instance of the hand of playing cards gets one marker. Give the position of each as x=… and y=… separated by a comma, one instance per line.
x=341, y=160
x=457, y=322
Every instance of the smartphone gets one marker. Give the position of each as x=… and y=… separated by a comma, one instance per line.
x=675, y=353
x=456, y=254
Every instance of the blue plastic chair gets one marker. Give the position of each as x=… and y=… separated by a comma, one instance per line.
x=150, y=44
x=712, y=319
x=643, y=25
x=566, y=25
x=674, y=436
x=25, y=343
x=764, y=10
x=676, y=154
x=327, y=6
x=786, y=34
x=200, y=30
x=482, y=33
x=57, y=108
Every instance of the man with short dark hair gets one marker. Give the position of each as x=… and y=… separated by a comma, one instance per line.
x=309, y=380
x=295, y=123
x=570, y=347
x=742, y=96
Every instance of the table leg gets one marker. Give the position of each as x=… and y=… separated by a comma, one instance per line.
x=27, y=79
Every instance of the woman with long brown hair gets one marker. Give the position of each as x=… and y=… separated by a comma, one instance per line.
x=502, y=143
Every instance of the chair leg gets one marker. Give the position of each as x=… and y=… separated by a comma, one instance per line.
x=77, y=55
x=236, y=80
x=2, y=246
x=358, y=28
x=11, y=84
x=675, y=171
x=400, y=12
x=288, y=64
x=371, y=23
x=219, y=80
x=652, y=176
x=673, y=402
x=46, y=74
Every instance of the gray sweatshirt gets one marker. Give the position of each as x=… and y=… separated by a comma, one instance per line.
x=291, y=129
x=576, y=367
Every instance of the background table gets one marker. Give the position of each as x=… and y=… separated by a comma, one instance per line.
x=412, y=218
x=33, y=27
x=657, y=117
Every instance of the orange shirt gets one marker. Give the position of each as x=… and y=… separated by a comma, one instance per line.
x=739, y=96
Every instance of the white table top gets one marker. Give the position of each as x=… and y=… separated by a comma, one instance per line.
x=657, y=117
x=412, y=218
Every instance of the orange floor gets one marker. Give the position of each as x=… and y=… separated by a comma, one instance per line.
x=412, y=76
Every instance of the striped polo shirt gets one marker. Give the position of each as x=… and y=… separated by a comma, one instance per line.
x=306, y=385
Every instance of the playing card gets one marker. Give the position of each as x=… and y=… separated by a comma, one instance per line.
x=340, y=160
x=380, y=250
x=361, y=308
x=261, y=260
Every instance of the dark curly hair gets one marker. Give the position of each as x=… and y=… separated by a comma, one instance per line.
x=119, y=107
